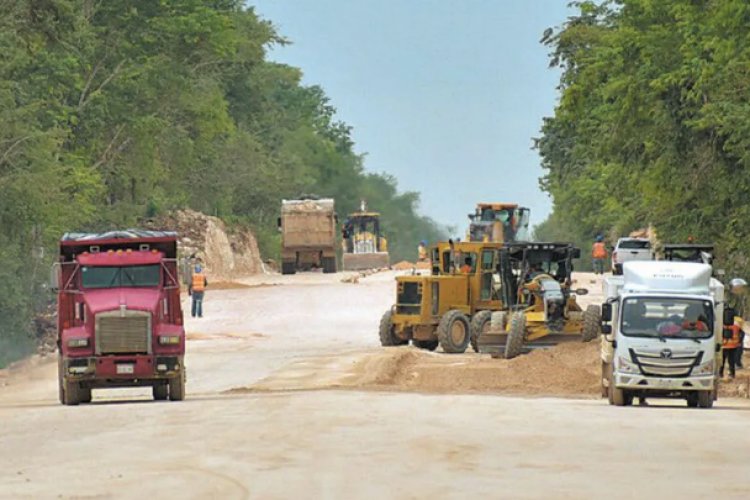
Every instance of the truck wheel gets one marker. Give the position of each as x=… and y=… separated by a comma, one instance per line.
x=329, y=265
x=429, y=345
x=177, y=387
x=60, y=381
x=288, y=268
x=454, y=332
x=516, y=335
x=619, y=397
x=705, y=399
x=160, y=392
x=606, y=375
x=387, y=335
x=480, y=324
x=72, y=395
x=591, y=323
x=85, y=395
x=692, y=400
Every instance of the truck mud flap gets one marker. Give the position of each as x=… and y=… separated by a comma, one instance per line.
x=363, y=261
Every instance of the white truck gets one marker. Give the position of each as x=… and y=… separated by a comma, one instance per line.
x=661, y=333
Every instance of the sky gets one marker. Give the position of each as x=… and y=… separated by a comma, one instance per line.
x=446, y=96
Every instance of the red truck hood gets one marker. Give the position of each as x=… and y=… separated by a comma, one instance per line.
x=139, y=299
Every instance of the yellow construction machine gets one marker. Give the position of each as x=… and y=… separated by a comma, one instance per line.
x=364, y=247
x=499, y=222
x=446, y=306
x=542, y=309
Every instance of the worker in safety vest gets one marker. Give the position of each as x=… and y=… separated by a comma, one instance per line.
x=197, y=288
x=730, y=344
x=599, y=254
x=737, y=299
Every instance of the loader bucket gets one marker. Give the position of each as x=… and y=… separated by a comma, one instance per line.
x=362, y=261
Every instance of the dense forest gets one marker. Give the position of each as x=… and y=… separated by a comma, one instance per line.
x=653, y=124
x=111, y=111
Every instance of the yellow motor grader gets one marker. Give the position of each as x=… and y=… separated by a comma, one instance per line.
x=498, y=222
x=445, y=307
x=542, y=309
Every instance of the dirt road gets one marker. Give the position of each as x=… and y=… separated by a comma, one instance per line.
x=290, y=396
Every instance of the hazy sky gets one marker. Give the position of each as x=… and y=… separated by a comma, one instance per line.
x=444, y=95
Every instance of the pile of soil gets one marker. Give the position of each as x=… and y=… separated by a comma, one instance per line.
x=404, y=265
x=226, y=253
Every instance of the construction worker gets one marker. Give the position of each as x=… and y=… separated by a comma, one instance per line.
x=599, y=254
x=466, y=268
x=730, y=344
x=422, y=251
x=737, y=298
x=197, y=288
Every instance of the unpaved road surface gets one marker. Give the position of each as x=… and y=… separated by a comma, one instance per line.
x=290, y=396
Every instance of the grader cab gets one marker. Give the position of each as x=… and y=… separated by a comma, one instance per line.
x=542, y=309
x=445, y=307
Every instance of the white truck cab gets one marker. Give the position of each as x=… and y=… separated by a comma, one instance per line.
x=662, y=329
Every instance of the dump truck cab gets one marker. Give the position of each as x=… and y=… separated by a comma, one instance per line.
x=662, y=325
x=445, y=306
x=120, y=321
x=498, y=222
x=364, y=246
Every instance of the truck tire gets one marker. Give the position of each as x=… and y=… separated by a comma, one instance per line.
x=454, y=332
x=329, y=265
x=72, y=394
x=591, y=323
x=516, y=335
x=706, y=399
x=480, y=323
x=619, y=397
x=85, y=395
x=388, y=337
x=606, y=375
x=60, y=381
x=288, y=268
x=160, y=392
x=429, y=345
x=177, y=387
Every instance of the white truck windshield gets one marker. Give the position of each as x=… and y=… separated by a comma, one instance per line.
x=667, y=318
x=116, y=277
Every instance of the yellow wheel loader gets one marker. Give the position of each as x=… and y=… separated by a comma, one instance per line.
x=364, y=247
x=542, y=309
x=446, y=306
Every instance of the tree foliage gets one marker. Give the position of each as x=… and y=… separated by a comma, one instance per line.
x=653, y=122
x=112, y=111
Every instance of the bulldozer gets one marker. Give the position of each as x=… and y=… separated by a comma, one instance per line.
x=541, y=307
x=364, y=247
x=498, y=222
x=446, y=306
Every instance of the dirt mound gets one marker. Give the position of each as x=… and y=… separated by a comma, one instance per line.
x=226, y=253
x=404, y=265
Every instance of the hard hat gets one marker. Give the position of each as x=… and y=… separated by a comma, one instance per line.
x=198, y=268
x=599, y=237
x=737, y=284
x=423, y=243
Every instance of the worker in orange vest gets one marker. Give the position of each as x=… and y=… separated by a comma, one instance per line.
x=730, y=344
x=197, y=288
x=599, y=255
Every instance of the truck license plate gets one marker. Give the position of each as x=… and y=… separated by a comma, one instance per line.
x=125, y=369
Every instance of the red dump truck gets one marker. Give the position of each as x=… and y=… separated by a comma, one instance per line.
x=119, y=316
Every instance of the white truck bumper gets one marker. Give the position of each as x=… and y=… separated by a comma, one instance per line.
x=643, y=383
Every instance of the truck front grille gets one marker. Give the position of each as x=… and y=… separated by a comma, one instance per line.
x=123, y=333
x=654, y=364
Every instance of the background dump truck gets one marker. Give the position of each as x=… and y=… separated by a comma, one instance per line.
x=119, y=315
x=662, y=330
x=308, y=235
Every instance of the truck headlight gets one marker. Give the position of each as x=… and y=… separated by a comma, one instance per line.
x=707, y=368
x=169, y=339
x=78, y=342
x=626, y=366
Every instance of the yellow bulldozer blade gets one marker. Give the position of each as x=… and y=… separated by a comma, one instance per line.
x=362, y=261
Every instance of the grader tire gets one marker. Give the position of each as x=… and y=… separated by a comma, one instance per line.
x=388, y=337
x=516, y=335
x=479, y=324
x=591, y=323
x=454, y=332
x=429, y=345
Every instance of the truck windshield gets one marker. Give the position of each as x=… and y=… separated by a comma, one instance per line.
x=667, y=318
x=117, y=277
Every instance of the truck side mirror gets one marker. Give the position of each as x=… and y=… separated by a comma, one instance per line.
x=606, y=329
x=729, y=315
x=606, y=313
x=54, y=277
